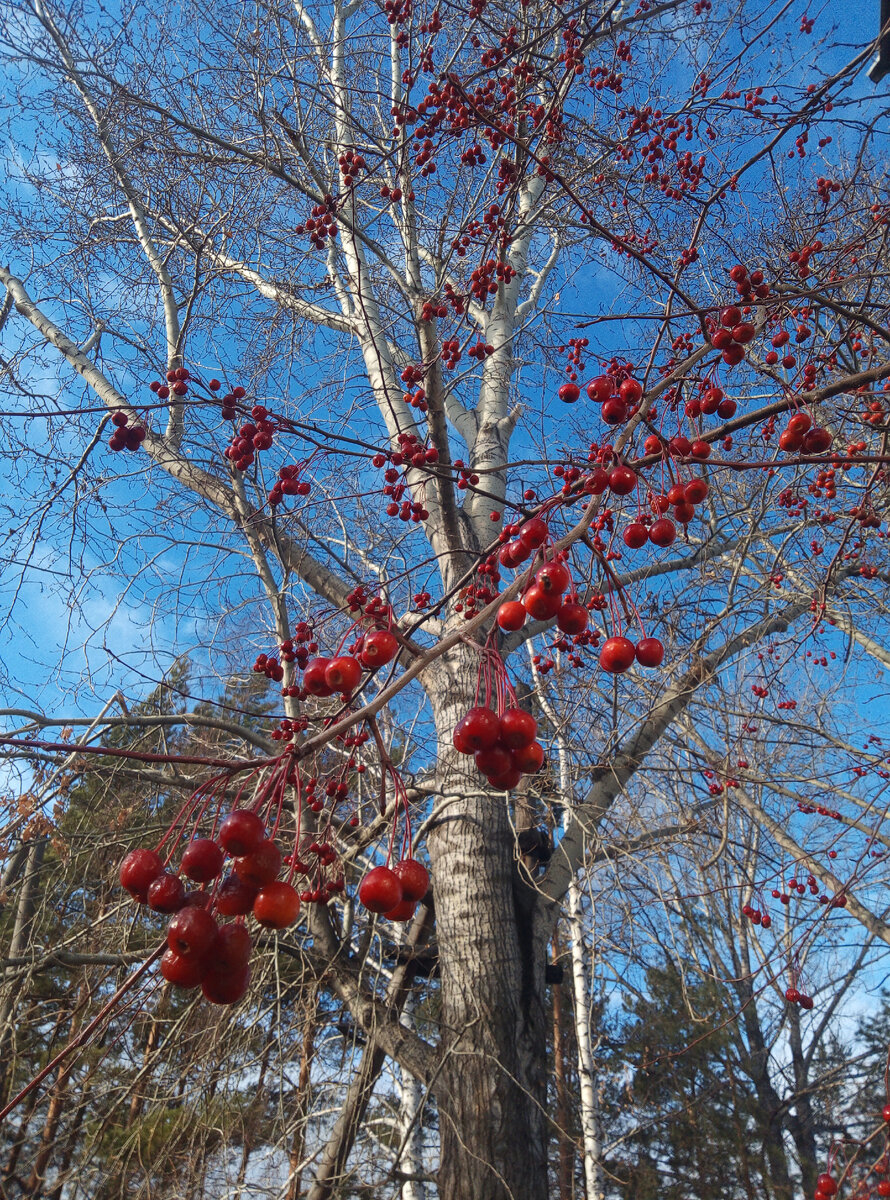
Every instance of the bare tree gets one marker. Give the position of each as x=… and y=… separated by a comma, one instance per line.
x=379, y=228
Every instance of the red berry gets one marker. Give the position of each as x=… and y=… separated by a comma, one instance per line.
x=792, y=995
x=517, y=728
x=553, y=577
x=529, y=758
x=380, y=890
x=730, y=316
x=721, y=339
x=635, y=536
x=700, y=449
x=414, y=878
x=825, y=1183
x=662, y=532
x=183, y=972
x=507, y=781
x=277, y=905
x=743, y=333
x=738, y=273
x=614, y=411
x=885, y=1113
x=241, y=832
x=695, y=491
x=343, y=674
x=402, y=912
x=231, y=951
x=138, y=870
x=617, y=655
x=259, y=867
x=569, y=393
x=540, y=604
x=191, y=933
x=817, y=441
x=800, y=423
x=511, y=616
x=166, y=893
x=494, y=761
x=572, y=617
x=600, y=389
x=533, y=533
x=622, y=481
x=630, y=391
x=683, y=513
x=235, y=897
x=479, y=729
x=378, y=648
x=202, y=860
x=650, y=652
x=315, y=678
x=221, y=987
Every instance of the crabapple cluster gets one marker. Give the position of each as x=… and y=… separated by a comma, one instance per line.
x=410, y=454
x=801, y=436
x=351, y=164
x=125, y=436
x=340, y=675
x=618, y=401
x=321, y=224
x=251, y=437
x=503, y=744
x=395, y=891
x=756, y=917
x=201, y=951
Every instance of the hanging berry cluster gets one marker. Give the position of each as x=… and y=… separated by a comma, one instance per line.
x=125, y=436
x=501, y=736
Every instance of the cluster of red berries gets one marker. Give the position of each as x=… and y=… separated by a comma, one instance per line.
x=545, y=598
x=411, y=453
x=325, y=677
x=617, y=406
x=125, y=436
x=321, y=224
x=617, y=654
x=395, y=891
x=269, y=666
x=662, y=531
x=200, y=952
x=712, y=401
x=504, y=747
x=800, y=435
x=755, y=916
x=350, y=164
x=732, y=335
x=177, y=383
x=288, y=483
x=251, y=437
x=228, y=410
x=793, y=996
x=749, y=287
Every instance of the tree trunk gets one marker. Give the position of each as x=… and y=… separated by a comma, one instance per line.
x=491, y=1088
x=801, y=1125
x=13, y=988
x=566, y=1150
x=771, y=1107
x=410, y=1132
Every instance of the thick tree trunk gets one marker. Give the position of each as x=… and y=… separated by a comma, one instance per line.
x=491, y=1088
x=566, y=1150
